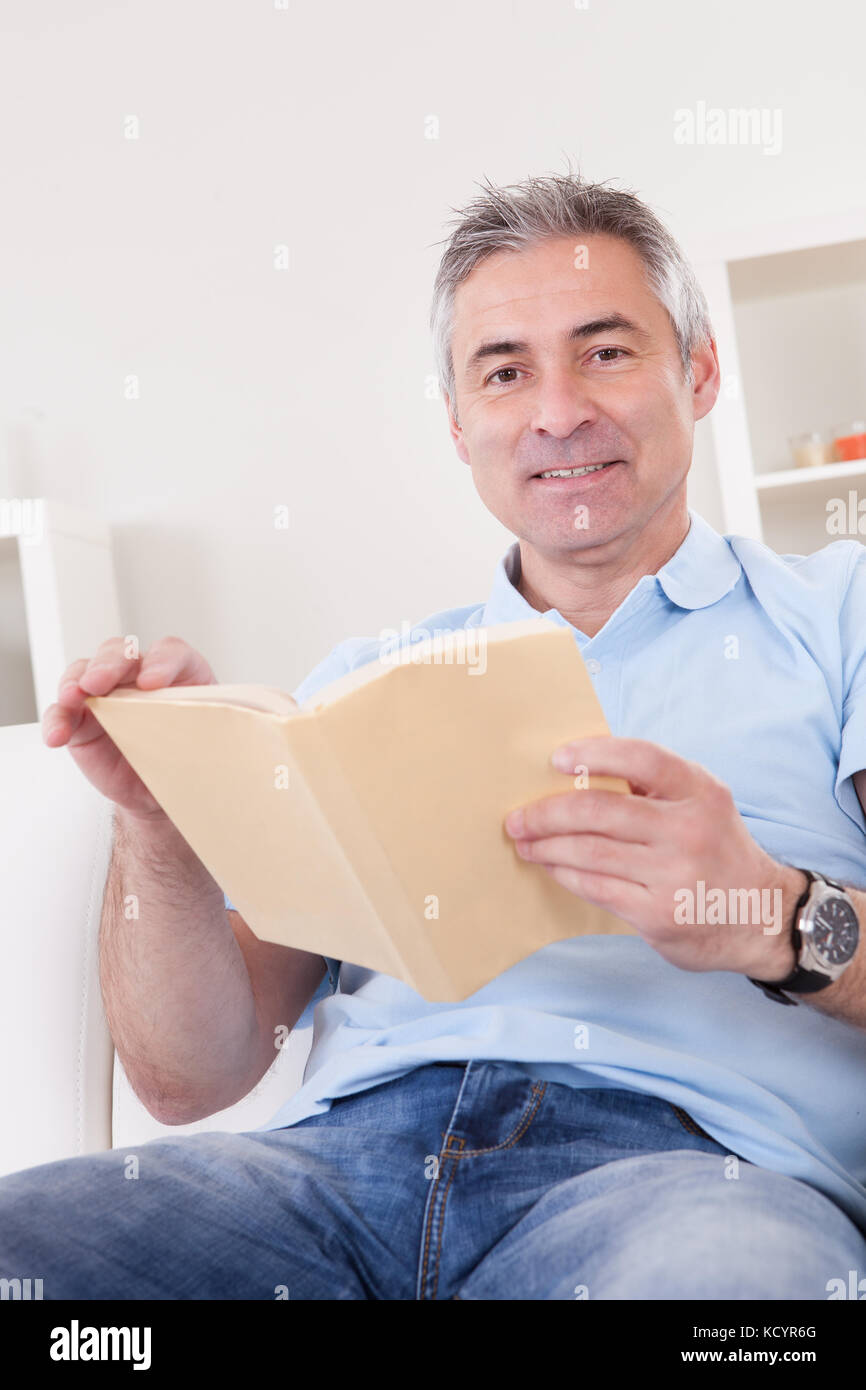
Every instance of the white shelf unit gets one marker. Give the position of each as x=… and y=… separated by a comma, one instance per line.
x=58, y=599
x=788, y=305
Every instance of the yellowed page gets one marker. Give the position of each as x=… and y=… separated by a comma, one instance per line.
x=261, y=697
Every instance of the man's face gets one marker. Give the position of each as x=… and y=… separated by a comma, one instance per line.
x=545, y=379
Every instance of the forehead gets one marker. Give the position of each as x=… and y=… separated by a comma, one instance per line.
x=542, y=287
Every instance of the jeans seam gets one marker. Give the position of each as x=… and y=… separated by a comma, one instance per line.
x=688, y=1123
x=440, y=1241
x=433, y=1193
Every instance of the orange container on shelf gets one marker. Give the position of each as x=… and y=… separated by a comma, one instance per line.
x=850, y=441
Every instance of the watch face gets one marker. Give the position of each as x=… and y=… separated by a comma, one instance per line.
x=835, y=930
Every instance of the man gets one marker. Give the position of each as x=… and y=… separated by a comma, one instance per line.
x=672, y=1114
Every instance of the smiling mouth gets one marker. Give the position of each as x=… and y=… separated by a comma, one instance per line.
x=575, y=472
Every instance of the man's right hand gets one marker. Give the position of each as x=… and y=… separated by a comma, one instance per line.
x=169, y=661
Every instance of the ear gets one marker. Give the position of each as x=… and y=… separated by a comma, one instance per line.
x=456, y=432
x=707, y=378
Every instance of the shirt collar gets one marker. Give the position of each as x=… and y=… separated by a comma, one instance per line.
x=700, y=572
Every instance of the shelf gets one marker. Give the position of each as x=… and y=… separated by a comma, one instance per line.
x=788, y=304
x=58, y=599
x=785, y=478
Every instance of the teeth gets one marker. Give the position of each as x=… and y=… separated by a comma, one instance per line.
x=573, y=472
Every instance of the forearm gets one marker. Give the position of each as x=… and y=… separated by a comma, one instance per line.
x=177, y=993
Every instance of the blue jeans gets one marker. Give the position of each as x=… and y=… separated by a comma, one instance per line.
x=455, y=1181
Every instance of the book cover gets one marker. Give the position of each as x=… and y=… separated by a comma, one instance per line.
x=367, y=824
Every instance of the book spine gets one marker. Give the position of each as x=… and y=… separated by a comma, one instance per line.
x=396, y=921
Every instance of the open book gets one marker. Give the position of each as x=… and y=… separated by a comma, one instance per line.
x=367, y=824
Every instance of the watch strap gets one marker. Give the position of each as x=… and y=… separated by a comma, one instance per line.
x=803, y=981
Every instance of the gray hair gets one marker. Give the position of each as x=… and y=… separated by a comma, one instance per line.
x=520, y=215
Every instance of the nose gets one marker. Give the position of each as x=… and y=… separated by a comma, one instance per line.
x=561, y=403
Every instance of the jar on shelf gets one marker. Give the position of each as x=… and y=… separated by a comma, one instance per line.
x=850, y=441
x=811, y=450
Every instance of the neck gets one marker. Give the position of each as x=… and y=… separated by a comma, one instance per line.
x=587, y=587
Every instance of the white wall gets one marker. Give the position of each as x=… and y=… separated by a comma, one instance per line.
x=306, y=126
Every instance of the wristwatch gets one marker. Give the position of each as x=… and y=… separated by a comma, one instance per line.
x=824, y=932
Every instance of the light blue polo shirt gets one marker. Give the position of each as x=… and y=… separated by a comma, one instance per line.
x=753, y=664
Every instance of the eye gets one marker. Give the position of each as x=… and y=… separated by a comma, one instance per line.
x=622, y=352
x=498, y=373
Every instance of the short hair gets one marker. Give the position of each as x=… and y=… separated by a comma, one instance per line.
x=516, y=216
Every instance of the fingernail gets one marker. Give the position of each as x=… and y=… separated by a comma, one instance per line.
x=514, y=822
x=563, y=760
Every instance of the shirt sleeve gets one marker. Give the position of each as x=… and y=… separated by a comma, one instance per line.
x=852, y=632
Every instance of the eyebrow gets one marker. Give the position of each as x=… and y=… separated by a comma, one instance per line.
x=610, y=323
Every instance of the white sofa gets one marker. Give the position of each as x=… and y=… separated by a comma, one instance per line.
x=62, y=1089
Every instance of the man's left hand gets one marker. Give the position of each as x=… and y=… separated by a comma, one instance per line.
x=632, y=854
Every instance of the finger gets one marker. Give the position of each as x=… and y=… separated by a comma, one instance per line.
x=109, y=666
x=57, y=724
x=72, y=694
x=650, y=769
x=73, y=671
x=171, y=661
x=73, y=727
x=630, y=901
x=87, y=730
x=593, y=853
x=632, y=818
x=69, y=692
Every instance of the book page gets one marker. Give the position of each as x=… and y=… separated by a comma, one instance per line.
x=265, y=698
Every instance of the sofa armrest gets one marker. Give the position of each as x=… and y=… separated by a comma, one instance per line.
x=56, y=834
